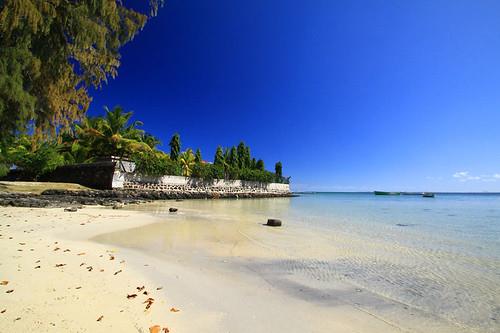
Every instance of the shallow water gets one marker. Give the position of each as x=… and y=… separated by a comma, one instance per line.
x=439, y=256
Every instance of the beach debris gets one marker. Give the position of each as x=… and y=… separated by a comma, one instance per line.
x=101, y=270
x=165, y=330
x=79, y=287
x=118, y=206
x=81, y=254
x=90, y=268
x=117, y=272
x=9, y=291
x=18, y=318
x=67, y=250
x=36, y=262
x=140, y=288
x=70, y=209
x=4, y=283
x=145, y=293
x=172, y=210
x=149, y=302
x=159, y=288
x=37, y=266
x=155, y=329
x=174, y=310
x=129, y=296
x=82, y=264
x=100, y=318
x=273, y=223
x=111, y=257
x=60, y=265
x=22, y=243
x=3, y=311
x=57, y=249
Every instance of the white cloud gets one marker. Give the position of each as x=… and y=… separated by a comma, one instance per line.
x=464, y=176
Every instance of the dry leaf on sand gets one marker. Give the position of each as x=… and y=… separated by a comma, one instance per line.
x=149, y=302
x=155, y=329
x=174, y=310
x=131, y=296
x=4, y=283
x=100, y=318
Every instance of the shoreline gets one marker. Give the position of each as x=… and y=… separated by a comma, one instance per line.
x=56, y=198
x=211, y=298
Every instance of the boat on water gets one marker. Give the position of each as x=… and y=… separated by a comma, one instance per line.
x=428, y=195
x=411, y=193
x=386, y=193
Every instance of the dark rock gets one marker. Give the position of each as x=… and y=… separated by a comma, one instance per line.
x=274, y=223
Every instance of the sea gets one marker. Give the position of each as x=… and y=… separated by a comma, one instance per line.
x=438, y=257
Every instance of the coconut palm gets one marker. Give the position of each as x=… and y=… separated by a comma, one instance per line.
x=111, y=135
x=187, y=161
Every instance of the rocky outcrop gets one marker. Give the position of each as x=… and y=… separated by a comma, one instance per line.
x=117, y=198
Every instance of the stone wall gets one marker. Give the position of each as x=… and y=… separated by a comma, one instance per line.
x=131, y=181
x=98, y=175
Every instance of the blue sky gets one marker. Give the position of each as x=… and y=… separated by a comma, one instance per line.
x=349, y=95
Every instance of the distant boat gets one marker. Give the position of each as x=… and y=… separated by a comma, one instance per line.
x=386, y=193
x=411, y=193
x=428, y=195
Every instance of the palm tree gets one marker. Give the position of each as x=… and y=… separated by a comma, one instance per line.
x=111, y=135
x=187, y=160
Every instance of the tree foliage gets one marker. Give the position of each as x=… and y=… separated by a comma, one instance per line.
x=175, y=147
x=52, y=52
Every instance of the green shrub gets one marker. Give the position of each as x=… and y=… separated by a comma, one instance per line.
x=155, y=164
x=35, y=163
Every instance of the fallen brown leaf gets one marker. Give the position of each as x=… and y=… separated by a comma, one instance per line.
x=140, y=288
x=22, y=243
x=82, y=264
x=155, y=329
x=117, y=272
x=3, y=311
x=174, y=310
x=37, y=267
x=4, y=283
x=90, y=268
x=18, y=318
x=78, y=288
x=36, y=262
x=101, y=270
x=149, y=302
x=67, y=250
x=159, y=288
x=165, y=330
x=57, y=248
x=111, y=257
x=81, y=254
x=60, y=265
x=131, y=296
x=100, y=318
x=9, y=291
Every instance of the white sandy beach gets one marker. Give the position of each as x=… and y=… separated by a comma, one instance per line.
x=95, y=280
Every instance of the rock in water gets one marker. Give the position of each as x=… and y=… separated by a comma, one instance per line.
x=70, y=209
x=172, y=210
x=274, y=223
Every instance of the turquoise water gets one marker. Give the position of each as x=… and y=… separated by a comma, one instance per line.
x=439, y=256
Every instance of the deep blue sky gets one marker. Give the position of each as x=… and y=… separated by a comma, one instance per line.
x=349, y=95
